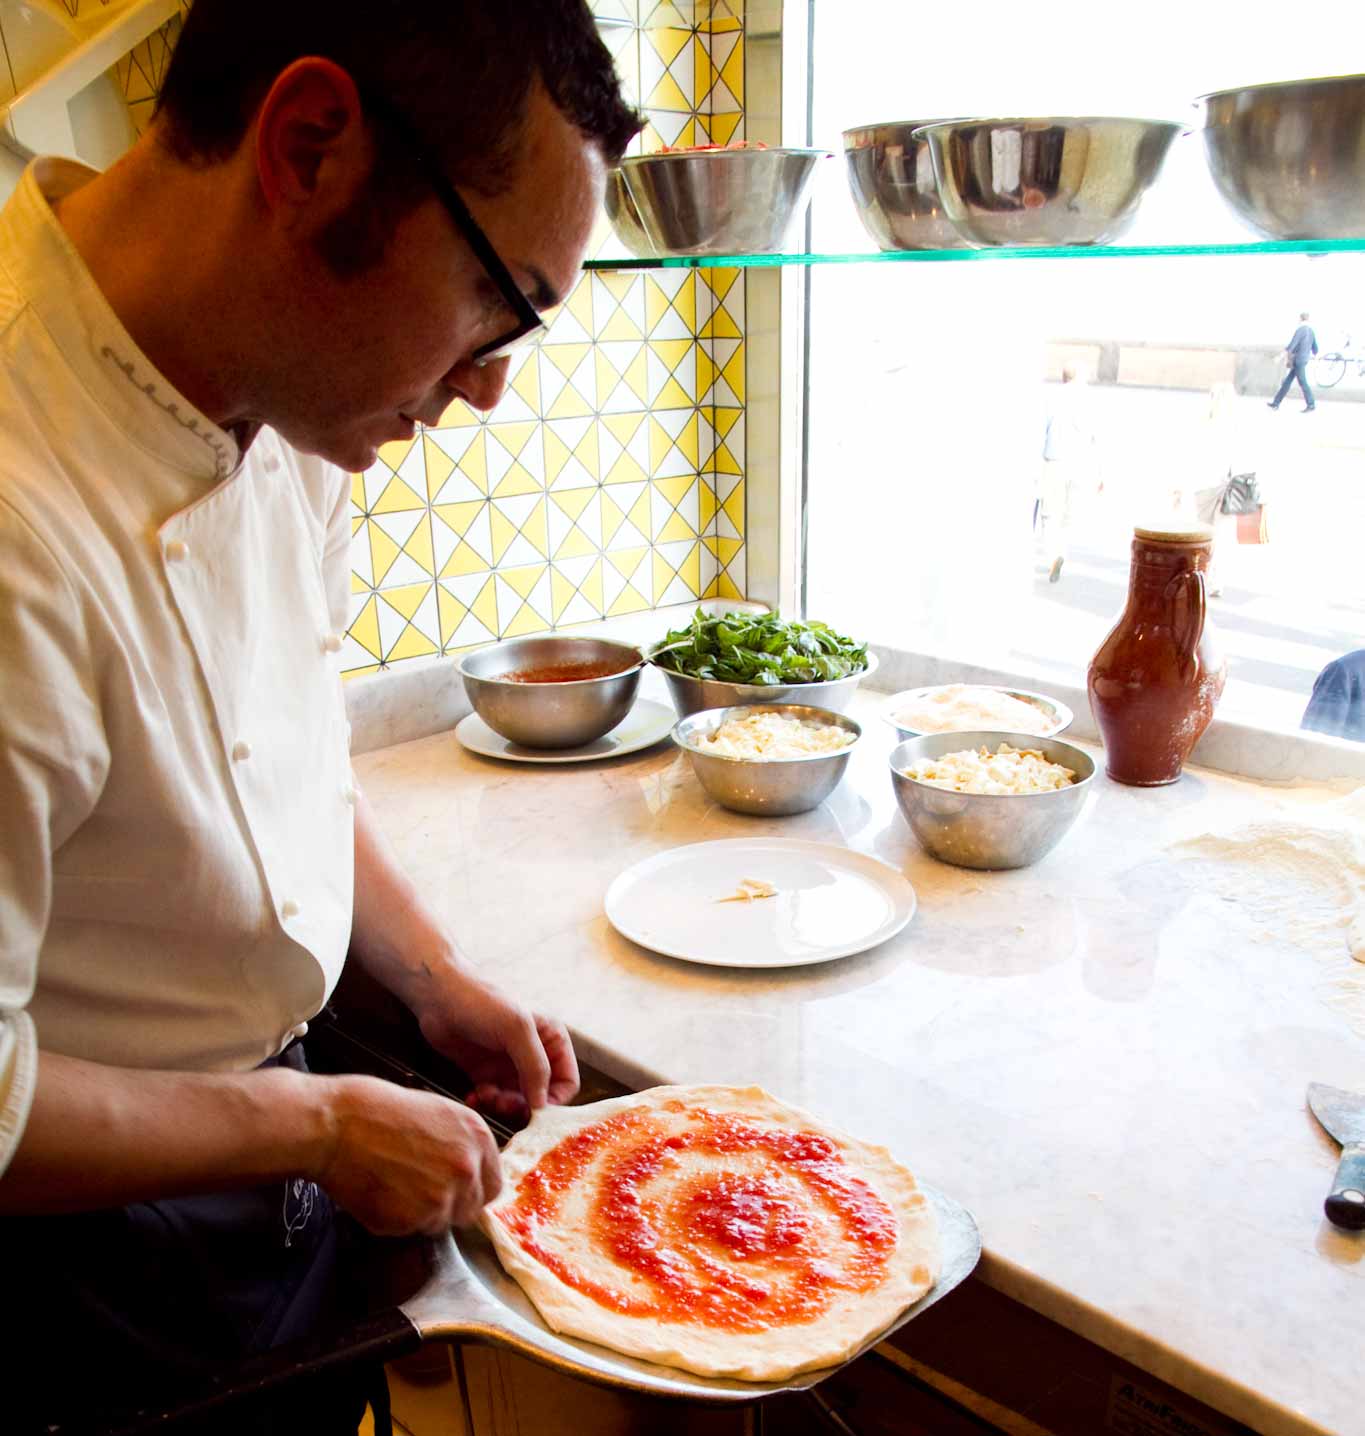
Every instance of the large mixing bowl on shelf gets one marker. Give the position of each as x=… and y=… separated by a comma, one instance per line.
x=1289, y=158
x=1046, y=180
x=891, y=175
x=718, y=201
x=624, y=217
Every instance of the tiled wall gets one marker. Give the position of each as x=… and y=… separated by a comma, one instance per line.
x=140, y=72
x=610, y=478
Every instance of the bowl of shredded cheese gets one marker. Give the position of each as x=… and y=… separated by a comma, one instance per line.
x=975, y=708
x=988, y=799
x=772, y=759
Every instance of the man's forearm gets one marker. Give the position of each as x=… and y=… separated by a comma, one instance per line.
x=396, y=936
x=101, y=1136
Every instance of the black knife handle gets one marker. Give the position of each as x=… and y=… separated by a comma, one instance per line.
x=1346, y=1206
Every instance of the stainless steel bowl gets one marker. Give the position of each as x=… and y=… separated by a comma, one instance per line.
x=1290, y=158
x=1048, y=180
x=1053, y=708
x=719, y=201
x=891, y=174
x=771, y=787
x=625, y=218
x=986, y=830
x=551, y=715
x=692, y=695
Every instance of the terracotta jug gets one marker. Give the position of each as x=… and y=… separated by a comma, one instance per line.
x=1155, y=680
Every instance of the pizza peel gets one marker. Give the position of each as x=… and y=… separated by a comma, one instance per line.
x=466, y=1297
x=458, y=1292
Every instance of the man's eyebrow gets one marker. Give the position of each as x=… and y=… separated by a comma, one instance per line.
x=543, y=294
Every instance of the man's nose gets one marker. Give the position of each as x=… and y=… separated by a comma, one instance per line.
x=479, y=385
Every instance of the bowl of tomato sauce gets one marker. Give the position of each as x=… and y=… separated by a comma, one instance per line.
x=552, y=691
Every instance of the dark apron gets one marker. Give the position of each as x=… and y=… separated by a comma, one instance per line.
x=137, y=1306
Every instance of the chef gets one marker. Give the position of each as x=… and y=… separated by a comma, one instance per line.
x=344, y=215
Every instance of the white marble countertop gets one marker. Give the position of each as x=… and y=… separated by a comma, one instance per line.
x=1104, y=1062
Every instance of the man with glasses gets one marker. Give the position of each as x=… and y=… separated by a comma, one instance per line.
x=343, y=217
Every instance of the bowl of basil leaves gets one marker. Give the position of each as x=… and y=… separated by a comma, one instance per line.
x=735, y=658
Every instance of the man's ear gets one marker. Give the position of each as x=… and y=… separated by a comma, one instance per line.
x=313, y=148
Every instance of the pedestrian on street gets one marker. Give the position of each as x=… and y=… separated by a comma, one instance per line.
x=1300, y=349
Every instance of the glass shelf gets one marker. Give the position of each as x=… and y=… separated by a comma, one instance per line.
x=933, y=256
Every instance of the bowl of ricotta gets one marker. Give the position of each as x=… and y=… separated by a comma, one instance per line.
x=975, y=708
x=772, y=759
x=991, y=800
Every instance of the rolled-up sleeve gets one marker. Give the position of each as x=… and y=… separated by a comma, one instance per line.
x=53, y=762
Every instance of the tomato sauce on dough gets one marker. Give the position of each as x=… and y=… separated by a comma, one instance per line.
x=764, y=1234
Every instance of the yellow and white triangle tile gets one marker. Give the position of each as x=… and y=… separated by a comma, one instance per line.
x=658, y=45
x=576, y=570
x=513, y=587
x=623, y=447
x=579, y=609
x=556, y=364
x=512, y=407
x=574, y=474
x=673, y=89
x=578, y=397
x=670, y=12
x=391, y=624
x=660, y=511
x=728, y=457
x=374, y=481
x=567, y=326
x=478, y=537
x=476, y=595
x=730, y=493
x=672, y=127
x=622, y=314
x=589, y=519
x=616, y=10
x=444, y=541
x=604, y=300
x=356, y=604
x=670, y=325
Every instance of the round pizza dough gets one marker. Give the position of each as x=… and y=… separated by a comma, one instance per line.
x=714, y=1229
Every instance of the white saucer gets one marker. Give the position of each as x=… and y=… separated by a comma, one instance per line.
x=648, y=722
x=830, y=903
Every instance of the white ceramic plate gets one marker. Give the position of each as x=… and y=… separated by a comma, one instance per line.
x=830, y=903
x=646, y=723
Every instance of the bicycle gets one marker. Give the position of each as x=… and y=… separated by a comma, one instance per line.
x=1330, y=369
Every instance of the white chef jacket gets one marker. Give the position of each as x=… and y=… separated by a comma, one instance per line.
x=176, y=802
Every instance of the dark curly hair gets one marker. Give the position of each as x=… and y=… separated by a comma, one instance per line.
x=459, y=70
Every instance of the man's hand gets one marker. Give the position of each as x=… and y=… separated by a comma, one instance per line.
x=518, y=1060
x=402, y=1161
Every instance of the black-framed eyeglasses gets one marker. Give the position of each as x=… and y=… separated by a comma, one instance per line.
x=529, y=323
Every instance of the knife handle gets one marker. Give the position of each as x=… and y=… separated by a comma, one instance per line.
x=1346, y=1205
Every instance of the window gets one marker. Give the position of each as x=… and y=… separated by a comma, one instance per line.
x=931, y=384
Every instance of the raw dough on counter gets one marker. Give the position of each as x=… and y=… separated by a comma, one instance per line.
x=1303, y=876
x=714, y=1229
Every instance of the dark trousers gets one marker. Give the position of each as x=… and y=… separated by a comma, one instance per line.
x=1298, y=369
x=136, y=1307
